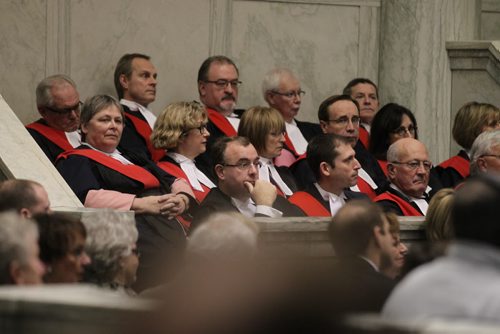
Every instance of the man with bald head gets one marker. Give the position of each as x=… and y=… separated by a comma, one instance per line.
x=58, y=103
x=28, y=198
x=408, y=172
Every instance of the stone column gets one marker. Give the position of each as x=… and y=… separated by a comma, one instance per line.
x=414, y=67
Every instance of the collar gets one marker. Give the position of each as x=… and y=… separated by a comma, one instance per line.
x=370, y=262
x=326, y=195
x=179, y=158
x=134, y=106
x=115, y=154
x=410, y=198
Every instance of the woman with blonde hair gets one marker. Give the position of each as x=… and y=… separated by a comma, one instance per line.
x=438, y=218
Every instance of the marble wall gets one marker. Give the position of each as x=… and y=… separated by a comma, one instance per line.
x=490, y=20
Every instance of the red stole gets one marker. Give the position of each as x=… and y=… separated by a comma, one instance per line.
x=364, y=137
x=177, y=171
x=365, y=188
x=58, y=137
x=290, y=146
x=221, y=123
x=133, y=172
x=309, y=204
x=407, y=208
x=383, y=165
x=458, y=163
x=144, y=130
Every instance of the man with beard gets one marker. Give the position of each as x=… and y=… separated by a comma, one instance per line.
x=332, y=160
x=408, y=172
x=218, y=85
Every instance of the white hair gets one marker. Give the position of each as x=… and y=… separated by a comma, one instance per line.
x=483, y=145
x=272, y=79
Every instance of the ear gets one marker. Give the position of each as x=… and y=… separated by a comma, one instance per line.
x=219, y=171
x=16, y=273
x=391, y=170
x=84, y=128
x=482, y=164
x=270, y=98
x=324, y=169
x=324, y=126
x=123, y=81
x=202, y=89
x=25, y=213
x=377, y=235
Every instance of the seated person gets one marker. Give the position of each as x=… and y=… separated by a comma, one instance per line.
x=471, y=120
x=181, y=130
x=331, y=157
x=485, y=153
x=103, y=177
x=393, y=266
x=26, y=197
x=58, y=103
x=62, y=241
x=236, y=164
x=408, y=170
x=438, y=226
x=265, y=128
x=111, y=245
x=19, y=251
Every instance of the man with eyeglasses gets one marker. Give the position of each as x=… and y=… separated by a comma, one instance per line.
x=59, y=104
x=485, y=153
x=236, y=165
x=281, y=90
x=135, y=81
x=408, y=170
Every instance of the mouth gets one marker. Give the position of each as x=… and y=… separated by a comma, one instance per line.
x=228, y=98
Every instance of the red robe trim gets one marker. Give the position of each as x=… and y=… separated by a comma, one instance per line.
x=310, y=205
x=221, y=123
x=290, y=146
x=458, y=163
x=145, y=131
x=134, y=172
x=366, y=189
x=364, y=137
x=176, y=171
x=383, y=166
x=58, y=137
x=406, y=208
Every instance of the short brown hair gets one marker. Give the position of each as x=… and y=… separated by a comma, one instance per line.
x=470, y=120
x=257, y=122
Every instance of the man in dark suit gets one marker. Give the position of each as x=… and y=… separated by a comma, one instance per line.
x=333, y=162
x=239, y=189
x=135, y=82
x=360, y=236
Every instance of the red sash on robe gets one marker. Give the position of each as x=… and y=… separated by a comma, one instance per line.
x=458, y=163
x=406, y=208
x=290, y=146
x=144, y=130
x=177, y=171
x=58, y=137
x=221, y=123
x=364, y=137
x=365, y=188
x=310, y=205
x=133, y=172
x=383, y=165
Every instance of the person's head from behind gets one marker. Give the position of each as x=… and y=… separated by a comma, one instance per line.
x=135, y=78
x=472, y=119
x=485, y=153
x=218, y=84
x=62, y=242
x=360, y=228
x=58, y=102
x=365, y=92
x=182, y=128
x=26, y=197
x=281, y=90
x=438, y=218
x=476, y=209
x=339, y=114
x=111, y=245
x=265, y=128
x=332, y=160
x=391, y=123
x=19, y=251
x=393, y=267
x=409, y=166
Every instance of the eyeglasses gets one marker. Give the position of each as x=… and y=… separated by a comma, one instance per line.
x=222, y=83
x=244, y=165
x=344, y=121
x=413, y=165
x=401, y=131
x=291, y=94
x=136, y=252
x=202, y=128
x=76, y=108
x=277, y=133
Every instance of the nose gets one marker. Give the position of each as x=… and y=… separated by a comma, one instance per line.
x=357, y=165
x=229, y=88
x=350, y=125
x=253, y=169
x=85, y=259
x=406, y=133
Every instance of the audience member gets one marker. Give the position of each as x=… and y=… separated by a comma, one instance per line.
x=19, y=251
x=111, y=244
x=26, y=197
x=393, y=268
x=62, y=242
x=485, y=153
x=465, y=283
x=281, y=90
x=365, y=92
x=135, y=80
x=58, y=103
x=265, y=128
x=181, y=130
x=408, y=171
x=438, y=218
x=332, y=160
x=471, y=120
x=236, y=164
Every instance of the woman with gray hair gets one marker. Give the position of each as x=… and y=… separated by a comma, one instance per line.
x=111, y=245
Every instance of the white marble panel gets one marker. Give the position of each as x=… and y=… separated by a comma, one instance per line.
x=490, y=26
x=317, y=41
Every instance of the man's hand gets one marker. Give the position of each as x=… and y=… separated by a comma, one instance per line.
x=262, y=193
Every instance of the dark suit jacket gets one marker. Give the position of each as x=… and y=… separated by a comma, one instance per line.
x=370, y=165
x=393, y=207
x=309, y=130
x=349, y=194
x=48, y=147
x=287, y=177
x=450, y=177
x=131, y=140
x=217, y=201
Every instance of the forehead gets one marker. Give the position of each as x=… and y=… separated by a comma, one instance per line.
x=235, y=151
x=364, y=88
x=413, y=150
x=141, y=64
x=40, y=193
x=64, y=91
x=222, y=71
x=344, y=151
x=111, y=110
x=343, y=108
x=288, y=82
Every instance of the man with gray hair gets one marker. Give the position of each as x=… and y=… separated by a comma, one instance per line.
x=59, y=104
x=26, y=197
x=19, y=252
x=281, y=90
x=485, y=153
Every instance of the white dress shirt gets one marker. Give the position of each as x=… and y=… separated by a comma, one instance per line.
x=336, y=201
x=74, y=138
x=268, y=171
x=148, y=115
x=249, y=209
x=115, y=155
x=194, y=175
x=296, y=137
